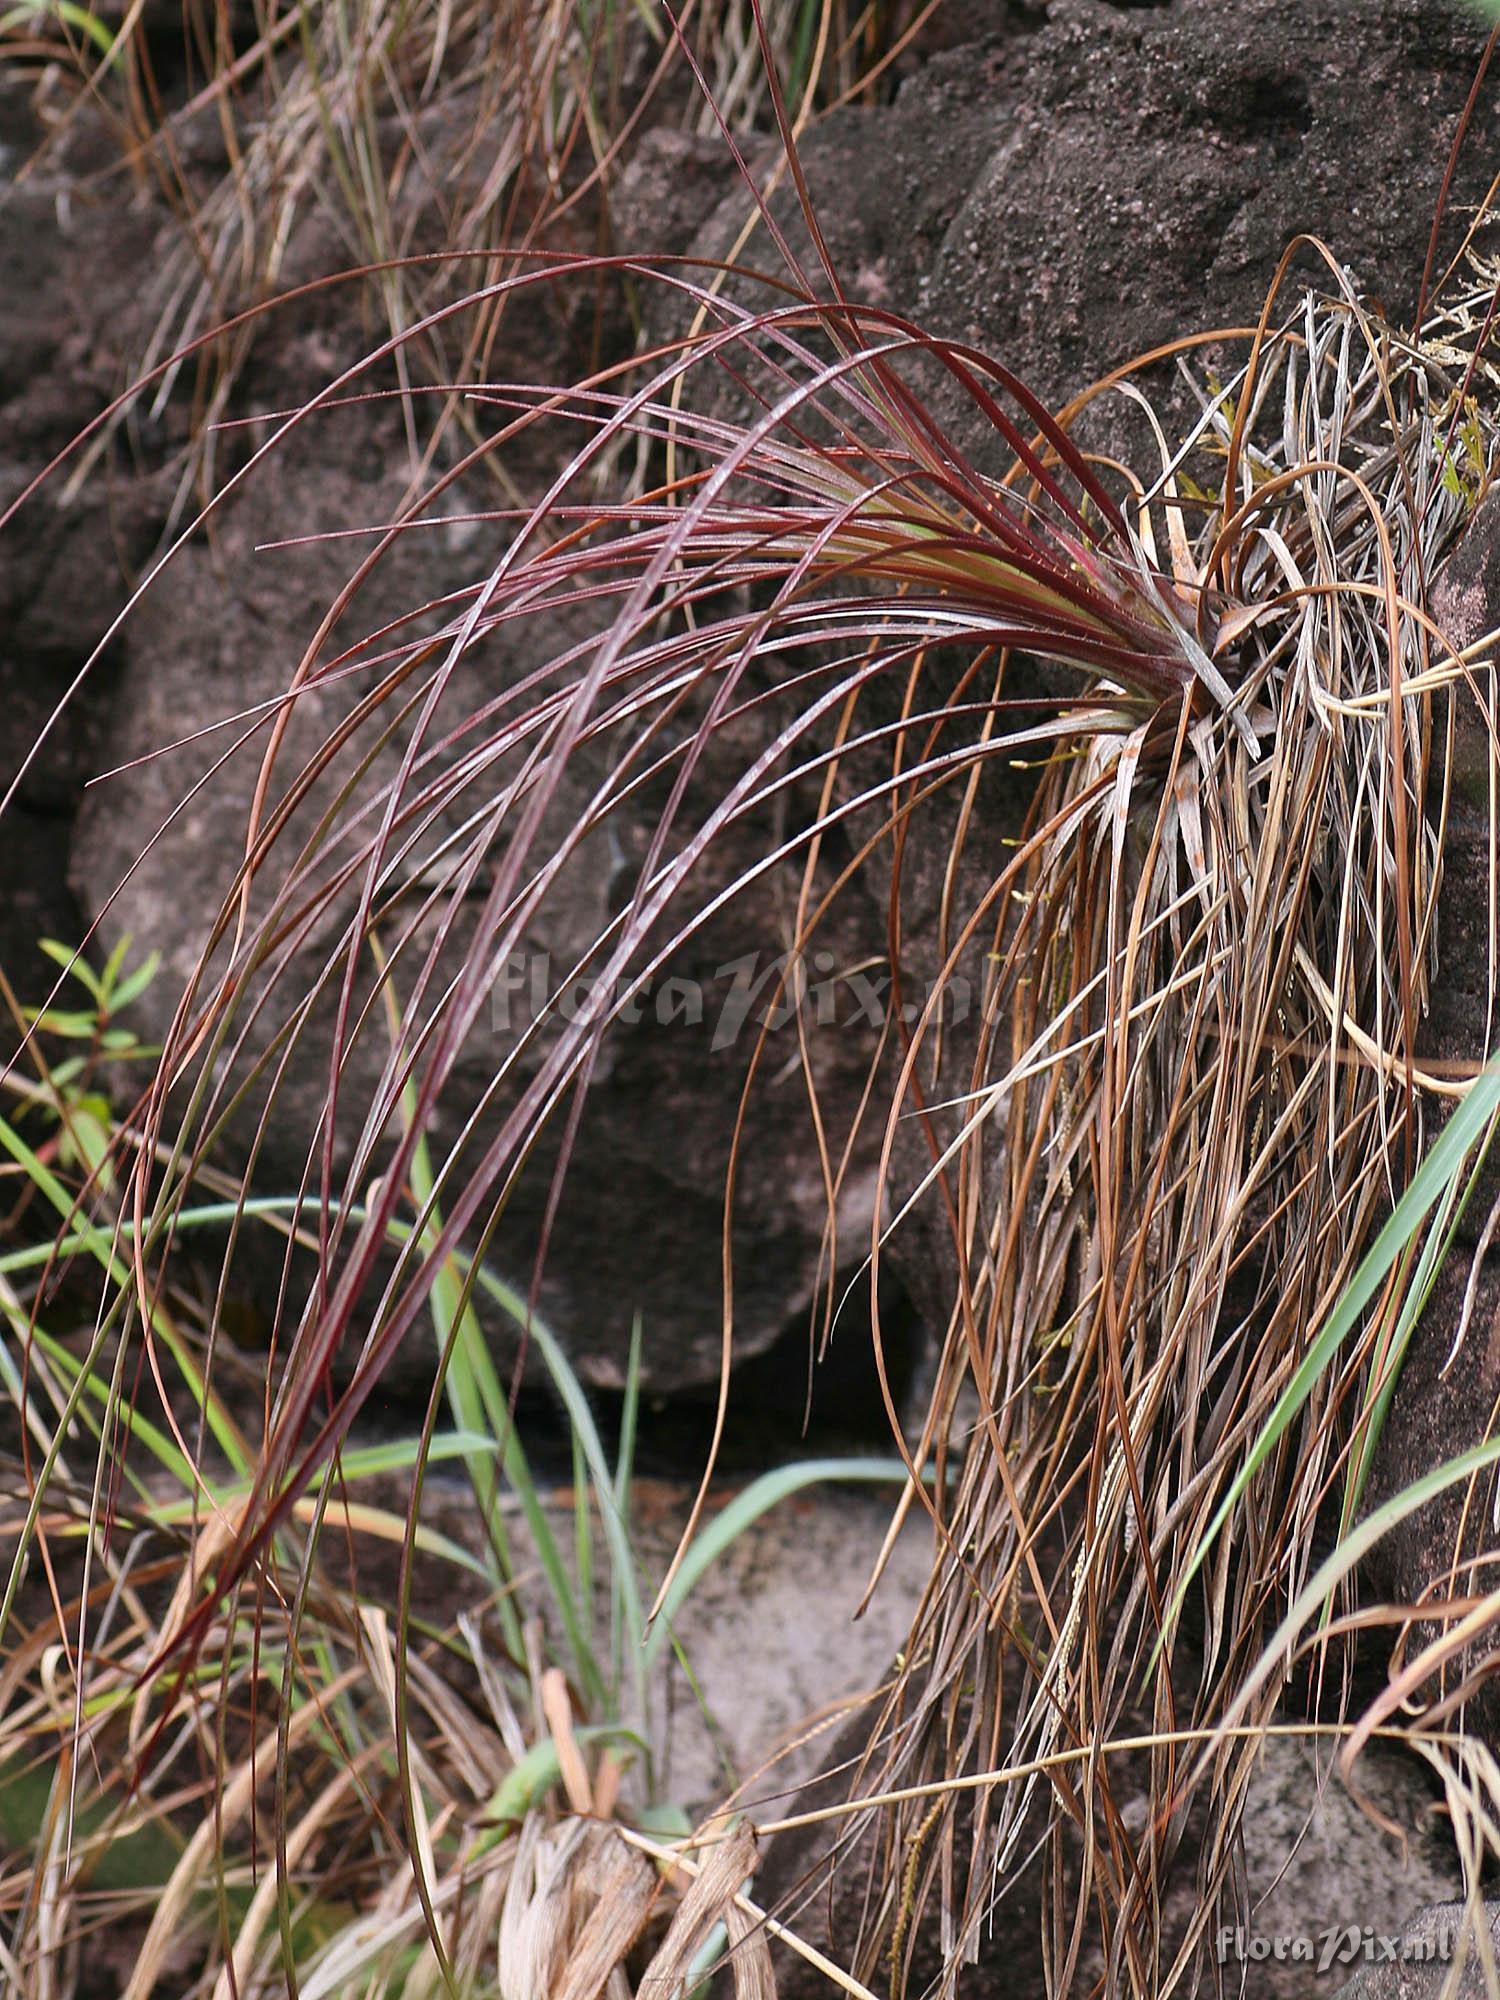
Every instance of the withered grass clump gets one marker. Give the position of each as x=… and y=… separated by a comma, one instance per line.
x=275, y=1831
x=435, y=143
x=1199, y=1087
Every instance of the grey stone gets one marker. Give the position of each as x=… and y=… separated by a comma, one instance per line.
x=1439, y=1955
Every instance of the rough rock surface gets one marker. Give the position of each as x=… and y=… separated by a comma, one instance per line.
x=1429, y=1958
x=1087, y=182
x=60, y=578
x=1320, y=1871
x=640, y=1228
x=218, y=635
x=1072, y=196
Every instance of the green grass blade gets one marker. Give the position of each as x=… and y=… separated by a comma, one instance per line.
x=746, y=1508
x=1470, y=1124
x=1350, y=1550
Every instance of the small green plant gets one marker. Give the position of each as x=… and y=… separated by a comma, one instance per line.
x=66, y=1092
x=508, y=1734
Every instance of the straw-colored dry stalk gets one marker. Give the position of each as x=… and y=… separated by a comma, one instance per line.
x=1198, y=1085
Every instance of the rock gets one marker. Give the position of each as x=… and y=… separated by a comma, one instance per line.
x=1321, y=1876
x=218, y=635
x=1323, y=1867
x=1070, y=197
x=640, y=1228
x=766, y=1655
x=60, y=577
x=1158, y=163
x=1418, y=1962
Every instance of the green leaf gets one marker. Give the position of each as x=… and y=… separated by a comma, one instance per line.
x=69, y=956
x=99, y=1242
x=528, y=1782
x=113, y=964
x=746, y=1508
x=624, y=1578
x=66, y=11
x=667, y=1822
x=134, y=986
x=77, y=1027
x=477, y=1398
x=87, y=1134
x=1444, y=1165
x=1386, y=1368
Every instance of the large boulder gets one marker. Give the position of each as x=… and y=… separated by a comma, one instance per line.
x=152, y=851
x=64, y=257
x=1083, y=183
x=1088, y=181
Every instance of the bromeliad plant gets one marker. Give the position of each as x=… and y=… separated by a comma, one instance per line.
x=1195, y=1081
